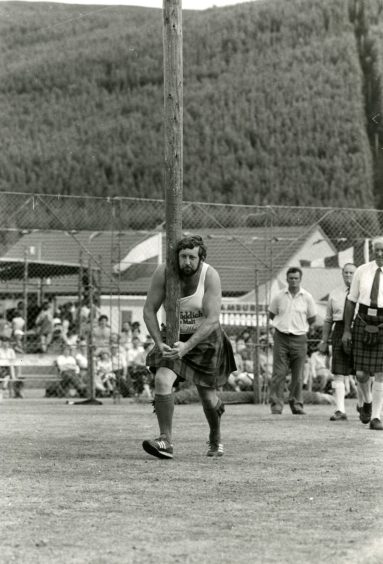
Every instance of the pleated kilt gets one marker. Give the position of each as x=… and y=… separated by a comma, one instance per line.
x=367, y=358
x=341, y=363
x=208, y=364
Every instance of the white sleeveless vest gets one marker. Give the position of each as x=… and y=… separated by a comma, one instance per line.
x=191, y=314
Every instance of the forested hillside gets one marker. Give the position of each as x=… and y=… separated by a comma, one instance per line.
x=278, y=101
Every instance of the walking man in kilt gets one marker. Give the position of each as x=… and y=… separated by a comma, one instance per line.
x=367, y=334
x=341, y=363
x=203, y=353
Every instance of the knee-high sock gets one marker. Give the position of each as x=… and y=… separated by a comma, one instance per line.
x=213, y=416
x=365, y=389
x=164, y=407
x=339, y=390
x=359, y=395
x=377, y=399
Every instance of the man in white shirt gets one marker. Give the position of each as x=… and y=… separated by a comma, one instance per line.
x=292, y=311
x=367, y=334
x=342, y=363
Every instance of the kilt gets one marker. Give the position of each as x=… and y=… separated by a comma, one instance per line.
x=341, y=362
x=367, y=358
x=208, y=364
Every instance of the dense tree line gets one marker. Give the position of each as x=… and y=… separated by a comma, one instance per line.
x=274, y=101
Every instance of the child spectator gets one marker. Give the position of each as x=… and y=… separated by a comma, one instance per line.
x=104, y=372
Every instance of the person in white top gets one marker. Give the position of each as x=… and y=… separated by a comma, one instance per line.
x=69, y=372
x=366, y=337
x=10, y=375
x=18, y=326
x=203, y=352
x=292, y=312
x=341, y=361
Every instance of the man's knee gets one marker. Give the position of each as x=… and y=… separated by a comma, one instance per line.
x=164, y=380
x=337, y=378
x=362, y=377
x=210, y=399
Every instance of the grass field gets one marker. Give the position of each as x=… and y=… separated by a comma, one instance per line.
x=76, y=487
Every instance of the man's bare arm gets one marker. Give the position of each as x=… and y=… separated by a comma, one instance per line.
x=349, y=311
x=155, y=298
x=326, y=330
x=349, y=314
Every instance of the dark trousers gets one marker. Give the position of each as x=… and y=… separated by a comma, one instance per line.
x=289, y=353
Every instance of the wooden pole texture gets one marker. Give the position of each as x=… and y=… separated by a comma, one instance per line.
x=173, y=129
x=256, y=358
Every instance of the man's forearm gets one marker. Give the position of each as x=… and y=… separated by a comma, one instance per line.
x=153, y=327
x=349, y=314
x=326, y=331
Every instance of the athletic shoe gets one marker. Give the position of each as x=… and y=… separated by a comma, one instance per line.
x=296, y=408
x=214, y=449
x=365, y=413
x=338, y=416
x=376, y=424
x=161, y=448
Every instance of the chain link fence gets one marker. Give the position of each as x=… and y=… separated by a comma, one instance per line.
x=65, y=260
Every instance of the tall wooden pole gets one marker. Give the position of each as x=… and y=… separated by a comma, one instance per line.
x=173, y=128
x=256, y=359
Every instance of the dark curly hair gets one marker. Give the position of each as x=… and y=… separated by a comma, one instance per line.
x=190, y=242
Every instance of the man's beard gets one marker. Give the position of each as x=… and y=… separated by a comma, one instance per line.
x=188, y=271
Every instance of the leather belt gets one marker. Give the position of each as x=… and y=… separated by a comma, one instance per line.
x=367, y=310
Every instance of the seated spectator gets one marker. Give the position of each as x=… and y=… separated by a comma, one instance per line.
x=126, y=335
x=104, y=372
x=246, y=336
x=101, y=334
x=115, y=340
x=84, y=320
x=8, y=373
x=120, y=370
x=136, y=355
x=242, y=378
x=319, y=372
x=70, y=375
x=44, y=326
x=18, y=327
x=5, y=327
x=240, y=345
x=71, y=338
x=82, y=362
x=67, y=321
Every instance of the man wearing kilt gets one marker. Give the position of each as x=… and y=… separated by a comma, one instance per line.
x=367, y=334
x=203, y=353
x=341, y=363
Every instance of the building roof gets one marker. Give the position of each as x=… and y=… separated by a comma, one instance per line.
x=239, y=254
